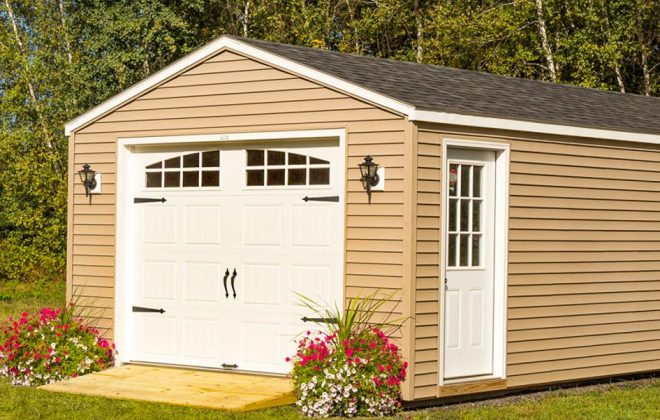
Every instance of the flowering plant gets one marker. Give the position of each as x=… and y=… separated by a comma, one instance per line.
x=49, y=346
x=351, y=369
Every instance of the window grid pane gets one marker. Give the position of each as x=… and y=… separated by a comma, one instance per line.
x=464, y=224
x=185, y=171
x=281, y=168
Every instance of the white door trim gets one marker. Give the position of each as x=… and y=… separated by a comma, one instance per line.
x=500, y=252
x=124, y=270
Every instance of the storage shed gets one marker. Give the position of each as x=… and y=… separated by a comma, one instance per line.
x=518, y=220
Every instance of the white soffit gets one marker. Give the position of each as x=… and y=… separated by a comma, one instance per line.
x=350, y=88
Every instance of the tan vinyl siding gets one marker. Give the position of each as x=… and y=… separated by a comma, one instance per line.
x=584, y=241
x=228, y=94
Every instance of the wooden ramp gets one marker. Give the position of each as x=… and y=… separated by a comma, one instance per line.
x=207, y=389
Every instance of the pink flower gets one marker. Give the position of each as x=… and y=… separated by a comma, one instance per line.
x=381, y=368
x=349, y=352
x=288, y=359
x=405, y=365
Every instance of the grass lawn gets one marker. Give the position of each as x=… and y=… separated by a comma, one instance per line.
x=633, y=400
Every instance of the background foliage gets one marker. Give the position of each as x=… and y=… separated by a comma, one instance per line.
x=59, y=58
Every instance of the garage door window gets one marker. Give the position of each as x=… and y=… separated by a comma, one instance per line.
x=278, y=168
x=192, y=170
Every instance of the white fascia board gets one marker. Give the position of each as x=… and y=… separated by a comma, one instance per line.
x=532, y=127
x=244, y=49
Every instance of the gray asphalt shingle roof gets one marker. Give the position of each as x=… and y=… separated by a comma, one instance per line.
x=445, y=89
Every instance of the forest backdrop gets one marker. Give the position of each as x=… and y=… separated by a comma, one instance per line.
x=59, y=58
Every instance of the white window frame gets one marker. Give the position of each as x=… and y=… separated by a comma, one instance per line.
x=501, y=251
x=125, y=246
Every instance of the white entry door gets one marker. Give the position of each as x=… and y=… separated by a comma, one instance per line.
x=469, y=275
x=226, y=251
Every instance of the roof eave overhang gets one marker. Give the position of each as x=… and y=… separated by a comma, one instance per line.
x=530, y=126
x=232, y=44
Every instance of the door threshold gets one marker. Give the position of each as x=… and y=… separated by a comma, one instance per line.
x=468, y=379
x=472, y=386
x=207, y=369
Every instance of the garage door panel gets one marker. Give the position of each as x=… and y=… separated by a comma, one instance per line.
x=159, y=280
x=262, y=225
x=311, y=281
x=255, y=353
x=202, y=225
x=155, y=344
x=260, y=284
x=201, y=340
x=153, y=220
x=310, y=226
x=202, y=282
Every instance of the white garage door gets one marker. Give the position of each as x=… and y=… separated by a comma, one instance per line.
x=224, y=254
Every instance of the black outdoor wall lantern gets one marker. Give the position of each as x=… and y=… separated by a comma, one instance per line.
x=369, y=171
x=88, y=178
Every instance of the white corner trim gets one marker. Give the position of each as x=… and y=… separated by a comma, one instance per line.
x=532, y=127
x=242, y=48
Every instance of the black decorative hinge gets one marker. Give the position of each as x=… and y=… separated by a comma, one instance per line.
x=324, y=320
x=138, y=200
x=142, y=309
x=333, y=198
x=226, y=366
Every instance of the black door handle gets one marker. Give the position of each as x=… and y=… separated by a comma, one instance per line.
x=233, y=276
x=225, y=284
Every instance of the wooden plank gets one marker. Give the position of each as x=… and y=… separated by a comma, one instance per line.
x=581, y=352
x=584, y=225
x=242, y=120
x=583, y=246
x=227, y=77
x=578, y=267
x=588, y=320
x=475, y=387
x=583, y=161
x=542, y=333
x=582, y=288
x=597, y=308
x=581, y=341
x=605, y=360
x=561, y=278
x=559, y=180
x=163, y=114
x=582, y=172
x=581, y=299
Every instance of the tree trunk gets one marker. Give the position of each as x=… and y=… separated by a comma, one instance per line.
x=65, y=33
x=50, y=143
x=544, y=41
x=646, y=79
x=619, y=77
x=246, y=18
x=419, y=51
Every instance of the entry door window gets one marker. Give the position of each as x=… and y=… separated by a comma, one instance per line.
x=465, y=203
